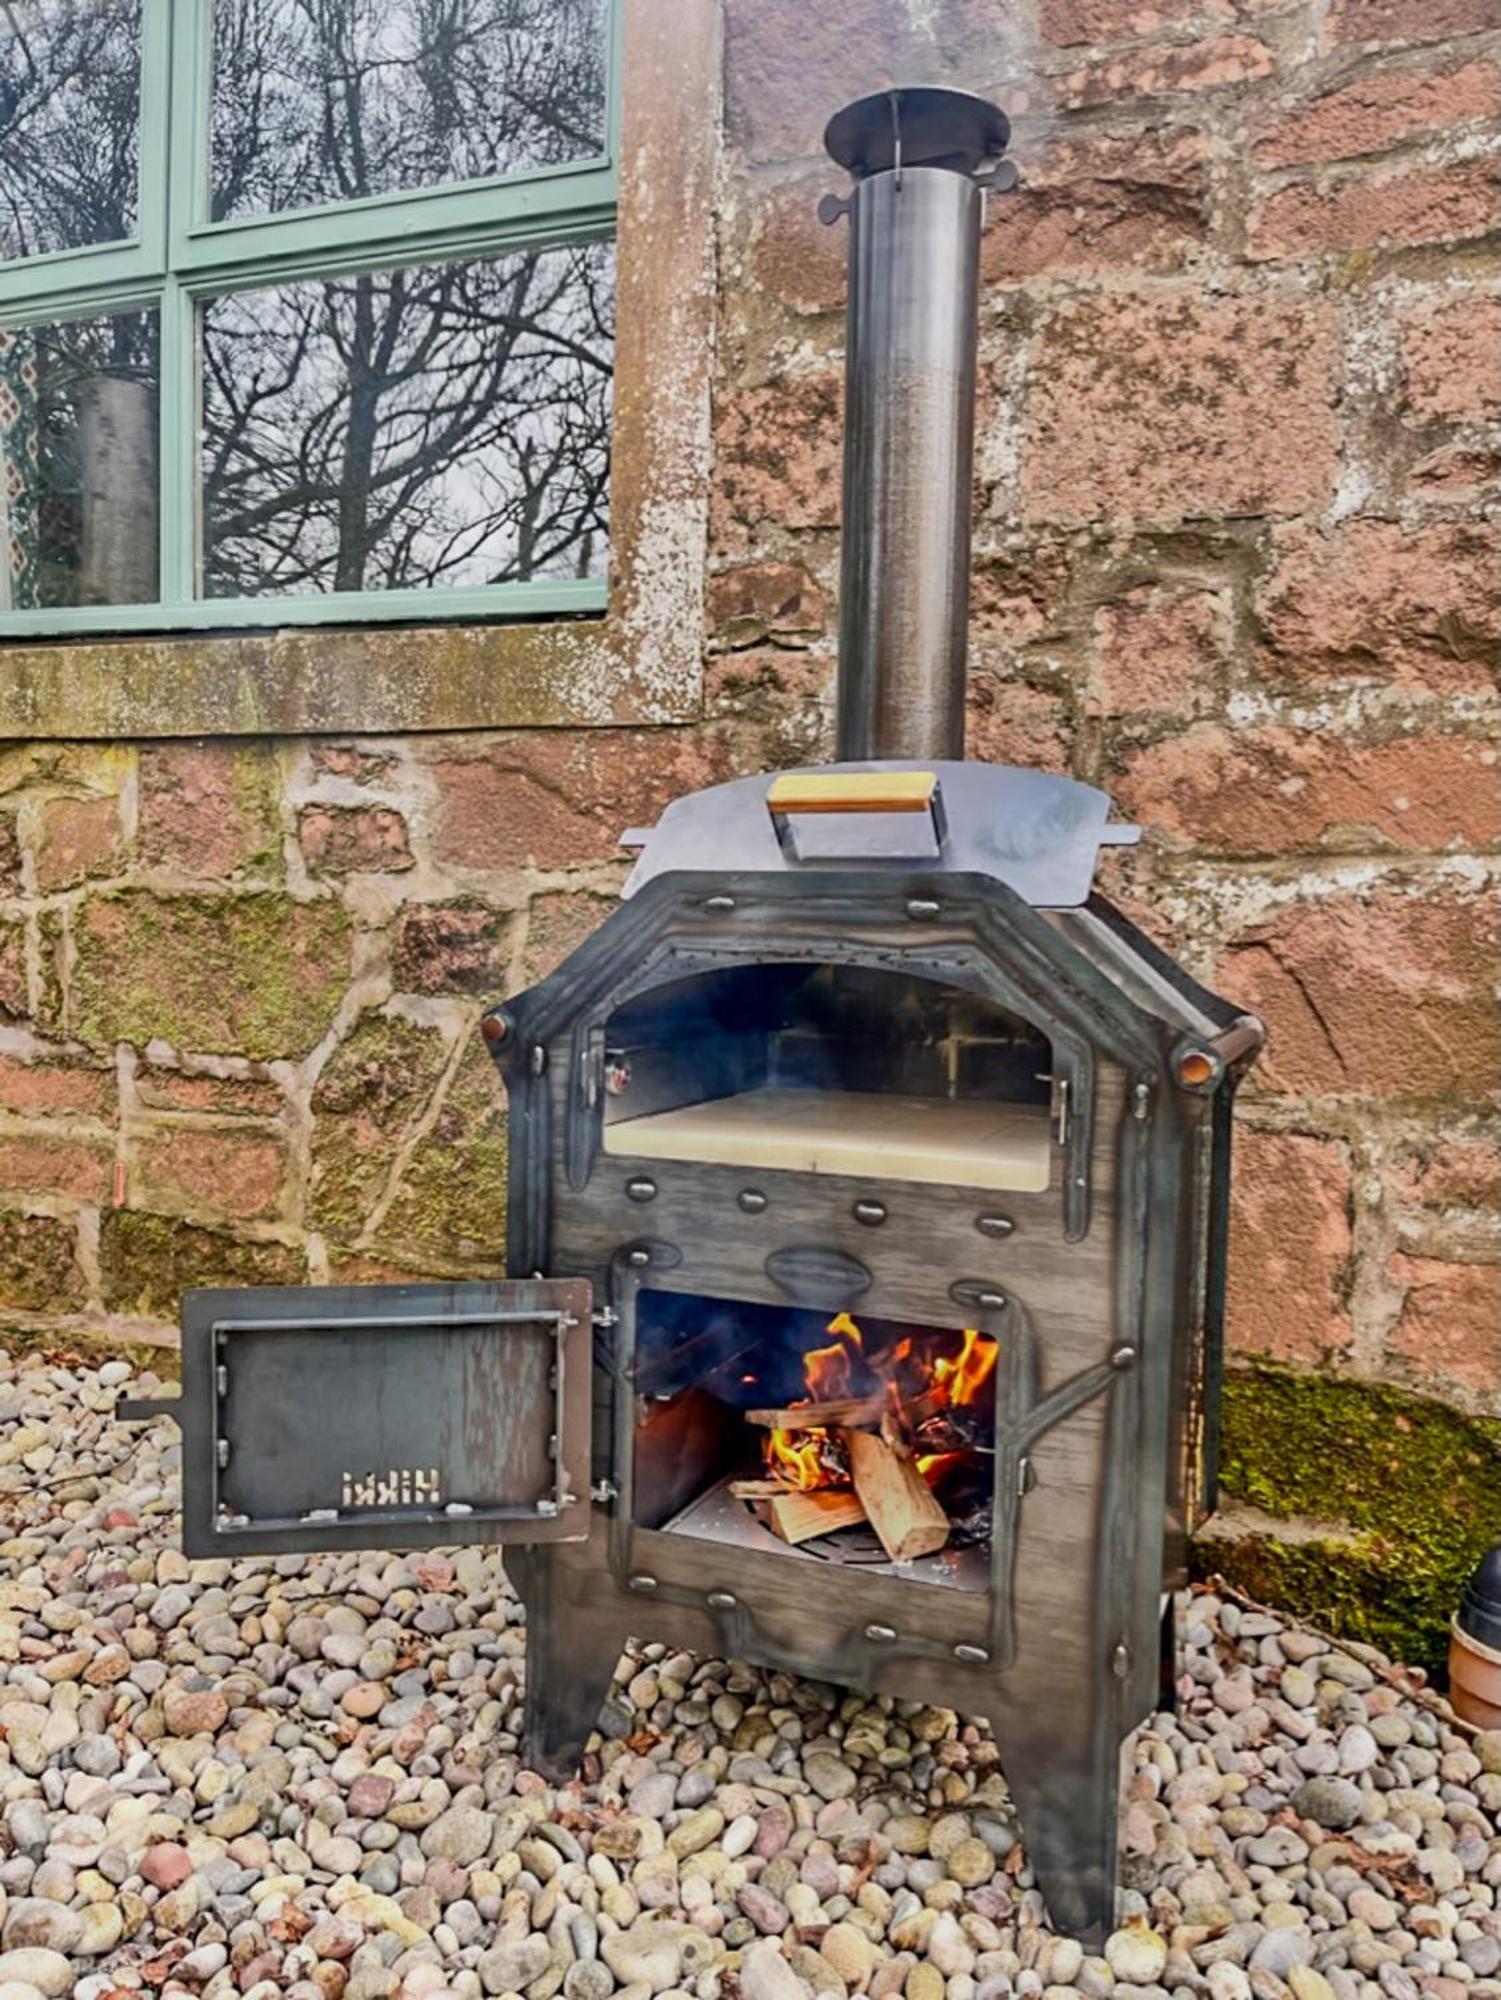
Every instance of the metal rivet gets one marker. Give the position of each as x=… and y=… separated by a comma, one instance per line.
x=995, y=1226
x=871, y=1213
x=719, y=904
x=641, y=1582
x=539, y=1060
x=974, y=1292
x=973, y=1656
x=495, y=1028
x=1120, y=1661
x=638, y=1257
x=922, y=907
x=641, y=1189
x=1123, y=1357
x=722, y=1600
x=881, y=1635
x=751, y=1200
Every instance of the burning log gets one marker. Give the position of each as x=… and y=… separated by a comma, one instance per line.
x=799, y=1517
x=898, y=1502
x=846, y=1412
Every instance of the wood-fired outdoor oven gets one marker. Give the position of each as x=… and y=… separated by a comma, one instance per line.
x=878, y=1171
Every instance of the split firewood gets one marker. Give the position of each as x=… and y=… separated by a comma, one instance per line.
x=798, y=1517
x=845, y=1412
x=758, y=1489
x=899, y=1504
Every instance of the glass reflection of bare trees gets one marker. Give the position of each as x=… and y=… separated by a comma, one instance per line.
x=403, y=428
x=442, y=424
x=69, y=123
x=332, y=100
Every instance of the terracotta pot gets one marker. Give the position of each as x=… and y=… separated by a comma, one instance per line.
x=1474, y=1679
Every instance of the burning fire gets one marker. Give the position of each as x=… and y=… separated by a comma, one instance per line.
x=971, y=1368
x=909, y=1380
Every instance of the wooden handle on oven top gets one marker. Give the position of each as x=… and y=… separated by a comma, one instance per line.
x=852, y=792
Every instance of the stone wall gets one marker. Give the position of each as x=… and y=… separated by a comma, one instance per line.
x=1241, y=344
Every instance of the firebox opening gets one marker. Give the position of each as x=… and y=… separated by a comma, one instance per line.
x=832, y=1069
x=851, y=1439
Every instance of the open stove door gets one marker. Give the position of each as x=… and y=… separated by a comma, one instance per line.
x=383, y=1416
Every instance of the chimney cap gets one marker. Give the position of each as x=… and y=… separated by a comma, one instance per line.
x=952, y=129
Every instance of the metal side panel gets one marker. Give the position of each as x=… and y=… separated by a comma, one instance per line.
x=383, y=1416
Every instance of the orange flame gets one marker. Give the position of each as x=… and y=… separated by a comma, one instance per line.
x=971, y=1368
x=796, y=1458
x=808, y=1460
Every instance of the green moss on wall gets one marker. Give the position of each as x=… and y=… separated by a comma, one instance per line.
x=1413, y=1486
x=148, y=1261
x=371, y=1090
x=257, y=975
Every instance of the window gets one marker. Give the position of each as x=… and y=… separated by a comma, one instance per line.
x=306, y=310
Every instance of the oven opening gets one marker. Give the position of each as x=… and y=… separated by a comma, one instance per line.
x=845, y=1439
x=835, y=1070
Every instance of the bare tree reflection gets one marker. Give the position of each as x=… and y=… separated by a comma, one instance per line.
x=404, y=428
x=332, y=100
x=69, y=123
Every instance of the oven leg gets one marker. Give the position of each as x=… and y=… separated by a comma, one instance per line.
x=572, y=1651
x=1068, y=1799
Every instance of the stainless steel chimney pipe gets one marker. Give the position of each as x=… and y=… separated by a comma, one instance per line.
x=920, y=159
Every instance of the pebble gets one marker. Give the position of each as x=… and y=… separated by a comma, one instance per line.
x=1137, y=1953
x=303, y=1777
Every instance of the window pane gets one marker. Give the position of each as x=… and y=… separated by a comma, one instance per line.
x=327, y=100
x=432, y=426
x=70, y=102
x=78, y=463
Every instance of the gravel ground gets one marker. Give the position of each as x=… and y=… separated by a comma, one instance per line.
x=301, y=1777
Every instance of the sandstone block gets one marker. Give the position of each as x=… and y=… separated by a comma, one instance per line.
x=759, y=601
x=778, y=453
x=369, y=1093
x=1378, y=21
x=257, y=975
x=460, y=947
x=1449, y=1327
x=794, y=258
x=1101, y=204
x=1278, y=791
x=1446, y=204
x=1072, y=22
x=208, y=810
x=1451, y=1173
x=1164, y=71
x=1383, y=601
x=1156, y=409
x=1289, y=1247
x=560, y=798
x=42, y=1089
x=147, y=1262
x=1382, y=995
x=225, y=1173
x=1157, y=649
x=1373, y=112
x=56, y=1164
x=79, y=840
x=37, y=1268
x=452, y=1194
x=351, y=840
x=1451, y=353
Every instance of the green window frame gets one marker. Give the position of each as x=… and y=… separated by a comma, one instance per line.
x=179, y=259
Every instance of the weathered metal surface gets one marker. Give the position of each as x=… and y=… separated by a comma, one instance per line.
x=383, y=1416
x=1038, y=834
